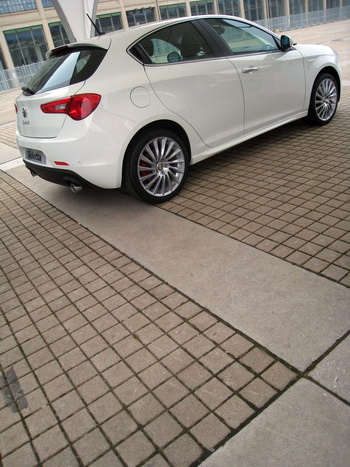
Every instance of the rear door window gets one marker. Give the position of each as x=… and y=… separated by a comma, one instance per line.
x=178, y=43
x=66, y=66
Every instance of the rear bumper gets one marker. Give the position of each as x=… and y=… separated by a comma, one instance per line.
x=91, y=150
x=58, y=176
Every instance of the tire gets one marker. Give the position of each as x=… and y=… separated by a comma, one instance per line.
x=156, y=166
x=324, y=100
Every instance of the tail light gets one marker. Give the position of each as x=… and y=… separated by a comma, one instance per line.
x=77, y=107
x=16, y=108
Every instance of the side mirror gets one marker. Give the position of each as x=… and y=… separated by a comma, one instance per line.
x=286, y=43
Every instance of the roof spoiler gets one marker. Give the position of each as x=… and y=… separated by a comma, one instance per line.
x=101, y=42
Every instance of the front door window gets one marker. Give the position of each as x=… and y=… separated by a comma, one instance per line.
x=243, y=38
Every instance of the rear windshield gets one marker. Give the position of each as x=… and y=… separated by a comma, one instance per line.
x=64, y=67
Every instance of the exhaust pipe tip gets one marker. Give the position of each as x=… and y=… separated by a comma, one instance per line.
x=33, y=174
x=75, y=188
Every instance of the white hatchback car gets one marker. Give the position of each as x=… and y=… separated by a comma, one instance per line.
x=136, y=107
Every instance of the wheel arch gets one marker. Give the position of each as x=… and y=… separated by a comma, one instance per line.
x=164, y=124
x=332, y=71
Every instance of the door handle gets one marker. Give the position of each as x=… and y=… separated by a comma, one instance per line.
x=250, y=69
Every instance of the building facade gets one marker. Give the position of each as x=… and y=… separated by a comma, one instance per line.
x=29, y=28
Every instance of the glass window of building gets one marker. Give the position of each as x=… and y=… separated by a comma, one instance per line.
x=297, y=7
x=109, y=23
x=205, y=7
x=13, y=6
x=315, y=5
x=229, y=7
x=335, y=4
x=58, y=34
x=26, y=45
x=47, y=3
x=275, y=8
x=254, y=9
x=173, y=11
x=140, y=16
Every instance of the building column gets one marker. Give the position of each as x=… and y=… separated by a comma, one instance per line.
x=266, y=10
x=5, y=51
x=46, y=28
x=123, y=17
x=287, y=8
x=287, y=12
x=157, y=10
x=241, y=9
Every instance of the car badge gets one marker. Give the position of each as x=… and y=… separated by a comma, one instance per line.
x=24, y=112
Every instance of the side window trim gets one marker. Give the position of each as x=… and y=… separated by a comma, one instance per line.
x=138, y=53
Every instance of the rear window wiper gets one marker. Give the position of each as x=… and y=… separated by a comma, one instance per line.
x=27, y=91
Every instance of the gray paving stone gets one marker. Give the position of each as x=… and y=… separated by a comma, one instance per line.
x=50, y=442
x=91, y=446
x=23, y=456
x=305, y=425
x=13, y=438
x=333, y=371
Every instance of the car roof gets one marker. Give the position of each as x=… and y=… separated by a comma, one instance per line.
x=125, y=37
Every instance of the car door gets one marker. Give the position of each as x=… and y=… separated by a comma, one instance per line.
x=273, y=81
x=191, y=81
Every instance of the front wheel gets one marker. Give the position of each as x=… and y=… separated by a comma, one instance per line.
x=156, y=166
x=324, y=100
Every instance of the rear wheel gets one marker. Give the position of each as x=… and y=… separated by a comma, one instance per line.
x=156, y=166
x=324, y=100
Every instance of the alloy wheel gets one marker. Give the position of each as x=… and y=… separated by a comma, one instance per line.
x=326, y=99
x=161, y=166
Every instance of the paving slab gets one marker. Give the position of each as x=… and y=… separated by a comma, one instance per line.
x=8, y=153
x=7, y=110
x=333, y=371
x=305, y=426
x=294, y=313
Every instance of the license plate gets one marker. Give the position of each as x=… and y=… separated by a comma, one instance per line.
x=35, y=156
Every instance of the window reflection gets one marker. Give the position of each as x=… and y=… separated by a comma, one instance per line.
x=58, y=34
x=229, y=7
x=13, y=6
x=109, y=23
x=140, y=16
x=254, y=9
x=26, y=45
x=173, y=11
x=205, y=7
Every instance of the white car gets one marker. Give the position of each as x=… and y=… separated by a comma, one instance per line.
x=134, y=108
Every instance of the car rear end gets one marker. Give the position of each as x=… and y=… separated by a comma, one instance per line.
x=63, y=130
